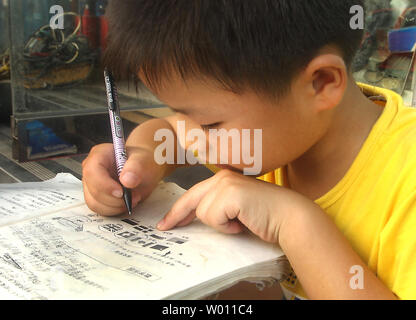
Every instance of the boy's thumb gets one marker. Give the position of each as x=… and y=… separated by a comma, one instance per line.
x=130, y=175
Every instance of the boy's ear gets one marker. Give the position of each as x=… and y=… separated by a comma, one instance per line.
x=326, y=78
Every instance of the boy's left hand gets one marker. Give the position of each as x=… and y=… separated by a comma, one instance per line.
x=229, y=202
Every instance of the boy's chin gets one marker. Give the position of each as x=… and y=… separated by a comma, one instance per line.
x=227, y=167
x=238, y=170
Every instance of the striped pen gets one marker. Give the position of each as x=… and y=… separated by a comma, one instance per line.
x=117, y=132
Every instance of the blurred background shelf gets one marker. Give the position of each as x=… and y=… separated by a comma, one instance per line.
x=80, y=100
x=57, y=105
x=52, y=90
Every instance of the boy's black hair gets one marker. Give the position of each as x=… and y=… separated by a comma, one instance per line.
x=257, y=44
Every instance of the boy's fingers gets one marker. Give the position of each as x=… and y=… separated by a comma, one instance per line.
x=215, y=211
x=100, y=208
x=222, y=216
x=186, y=205
x=230, y=227
x=187, y=220
x=101, y=184
x=134, y=170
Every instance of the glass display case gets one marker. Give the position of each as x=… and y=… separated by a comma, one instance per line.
x=387, y=55
x=58, y=93
x=59, y=99
x=4, y=27
x=5, y=95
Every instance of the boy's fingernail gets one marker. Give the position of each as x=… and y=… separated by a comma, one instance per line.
x=129, y=178
x=161, y=224
x=117, y=194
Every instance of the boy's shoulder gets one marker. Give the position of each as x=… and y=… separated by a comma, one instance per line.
x=397, y=124
x=395, y=146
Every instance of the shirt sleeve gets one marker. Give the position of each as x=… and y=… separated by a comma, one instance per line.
x=396, y=265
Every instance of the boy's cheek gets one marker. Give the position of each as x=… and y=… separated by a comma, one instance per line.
x=251, y=154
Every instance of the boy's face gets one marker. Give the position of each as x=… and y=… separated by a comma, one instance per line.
x=289, y=127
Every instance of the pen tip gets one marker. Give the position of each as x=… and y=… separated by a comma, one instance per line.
x=127, y=200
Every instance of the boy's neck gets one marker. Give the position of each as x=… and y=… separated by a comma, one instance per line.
x=325, y=164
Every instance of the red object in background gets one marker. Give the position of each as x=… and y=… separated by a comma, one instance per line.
x=103, y=32
x=90, y=27
x=76, y=24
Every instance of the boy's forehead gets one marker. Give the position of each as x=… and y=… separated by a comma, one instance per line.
x=194, y=96
x=206, y=101
x=178, y=87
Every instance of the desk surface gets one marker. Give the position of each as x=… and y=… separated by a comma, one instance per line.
x=13, y=171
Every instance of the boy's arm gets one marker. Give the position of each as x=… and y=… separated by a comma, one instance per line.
x=319, y=253
x=322, y=259
x=142, y=138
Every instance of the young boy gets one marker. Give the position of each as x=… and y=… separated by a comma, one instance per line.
x=339, y=170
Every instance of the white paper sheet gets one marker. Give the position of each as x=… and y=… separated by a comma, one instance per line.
x=19, y=201
x=76, y=254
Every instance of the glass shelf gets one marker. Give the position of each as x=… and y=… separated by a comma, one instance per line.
x=58, y=91
x=57, y=79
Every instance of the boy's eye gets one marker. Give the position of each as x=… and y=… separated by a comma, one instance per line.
x=210, y=126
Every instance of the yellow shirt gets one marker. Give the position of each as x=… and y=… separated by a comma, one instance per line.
x=374, y=205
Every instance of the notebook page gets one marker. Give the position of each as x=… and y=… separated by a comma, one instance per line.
x=76, y=254
x=19, y=201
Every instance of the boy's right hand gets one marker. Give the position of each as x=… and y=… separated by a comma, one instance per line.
x=102, y=191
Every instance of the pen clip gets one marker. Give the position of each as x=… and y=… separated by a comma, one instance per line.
x=110, y=89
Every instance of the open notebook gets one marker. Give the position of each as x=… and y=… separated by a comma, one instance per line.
x=53, y=247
